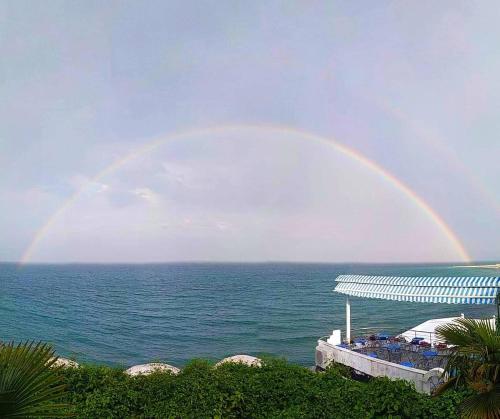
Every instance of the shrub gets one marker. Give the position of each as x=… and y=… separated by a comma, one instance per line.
x=277, y=390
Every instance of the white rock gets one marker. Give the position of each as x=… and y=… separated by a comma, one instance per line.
x=65, y=363
x=150, y=368
x=251, y=361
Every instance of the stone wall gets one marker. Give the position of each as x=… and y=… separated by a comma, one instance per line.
x=424, y=380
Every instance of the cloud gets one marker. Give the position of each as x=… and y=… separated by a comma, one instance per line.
x=147, y=195
x=87, y=185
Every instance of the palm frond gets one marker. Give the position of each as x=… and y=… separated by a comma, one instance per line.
x=447, y=385
x=474, y=362
x=29, y=382
x=482, y=405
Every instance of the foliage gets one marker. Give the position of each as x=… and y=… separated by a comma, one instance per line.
x=276, y=390
x=29, y=381
x=475, y=364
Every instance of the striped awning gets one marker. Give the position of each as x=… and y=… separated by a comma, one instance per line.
x=450, y=290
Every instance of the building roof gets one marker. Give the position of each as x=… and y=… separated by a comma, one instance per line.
x=427, y=329
x=450, y=290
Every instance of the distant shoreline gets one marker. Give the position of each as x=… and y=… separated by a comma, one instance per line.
x=494, y=266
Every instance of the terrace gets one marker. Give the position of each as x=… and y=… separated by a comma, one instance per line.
x=409, y=354
x=416, y=355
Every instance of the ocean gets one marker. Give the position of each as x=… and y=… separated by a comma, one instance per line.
x=124, y=315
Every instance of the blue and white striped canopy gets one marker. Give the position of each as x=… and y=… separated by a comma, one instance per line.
x=451, y=290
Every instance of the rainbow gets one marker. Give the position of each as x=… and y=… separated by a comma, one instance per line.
x=277, y=129
x=433, y=140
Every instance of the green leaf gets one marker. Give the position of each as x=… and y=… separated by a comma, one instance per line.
x=29, y=384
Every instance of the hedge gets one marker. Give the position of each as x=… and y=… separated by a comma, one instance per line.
x=276, y=390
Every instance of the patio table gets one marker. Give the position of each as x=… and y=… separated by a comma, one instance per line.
x=393, y=347
x=383, y=336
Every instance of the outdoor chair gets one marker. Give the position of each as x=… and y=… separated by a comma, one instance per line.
x=360, y=342
x=414, y=357
x=394, y=352
x=430, y=358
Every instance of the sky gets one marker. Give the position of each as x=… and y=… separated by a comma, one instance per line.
x=328, y=131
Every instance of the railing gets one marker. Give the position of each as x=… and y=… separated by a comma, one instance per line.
x=422, y=333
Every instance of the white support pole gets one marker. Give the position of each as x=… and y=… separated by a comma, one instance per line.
x=348, y=320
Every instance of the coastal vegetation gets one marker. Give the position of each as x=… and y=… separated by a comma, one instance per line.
x=474, y=363
x=276, y=389
x=33, y=385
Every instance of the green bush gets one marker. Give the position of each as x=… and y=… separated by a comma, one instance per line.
x=276, y=390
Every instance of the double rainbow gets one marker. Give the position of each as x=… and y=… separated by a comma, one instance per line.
x=426, y=209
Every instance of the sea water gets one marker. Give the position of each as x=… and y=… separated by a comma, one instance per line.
x=131, y=314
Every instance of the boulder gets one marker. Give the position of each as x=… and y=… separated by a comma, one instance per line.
x=146, y=369
x=249, y=360
x=65, y=363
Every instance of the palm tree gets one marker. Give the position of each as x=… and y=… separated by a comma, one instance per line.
x=29, y=381
x=474, y=363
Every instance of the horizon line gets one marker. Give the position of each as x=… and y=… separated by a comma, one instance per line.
x=472, y=264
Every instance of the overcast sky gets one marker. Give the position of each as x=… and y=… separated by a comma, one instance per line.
x=412, y=86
